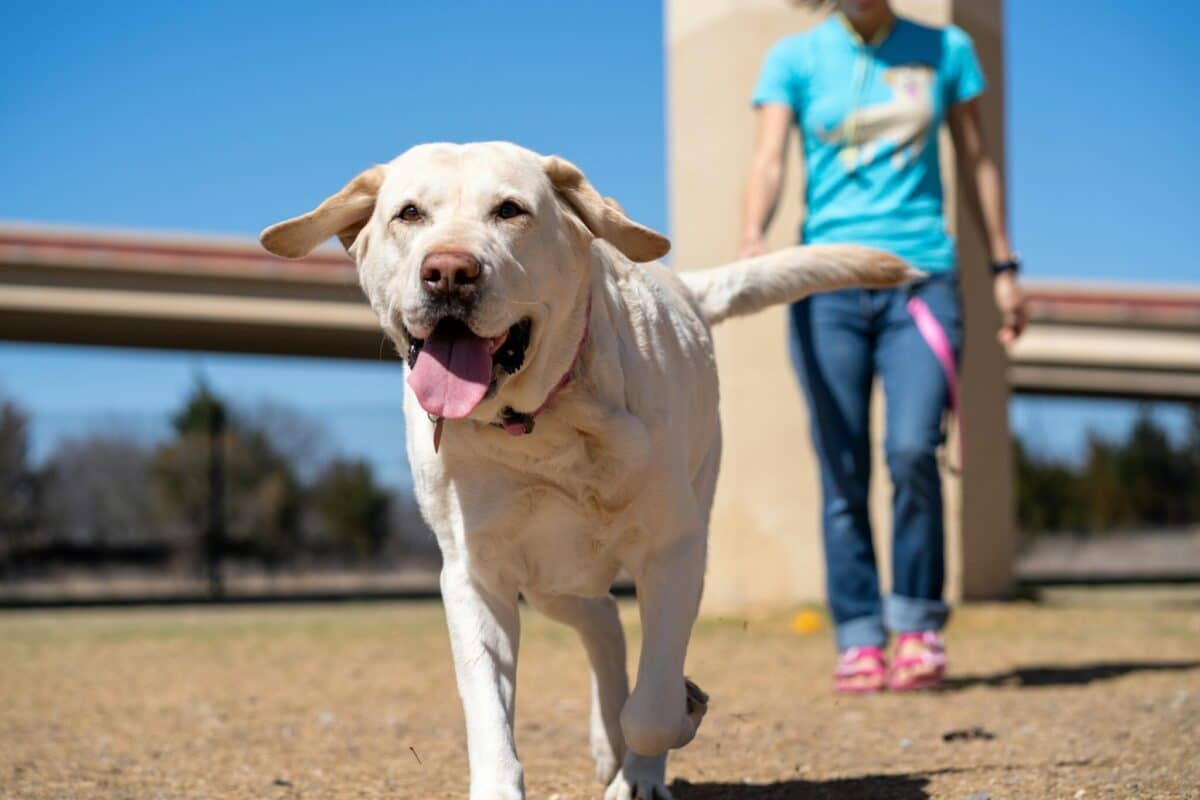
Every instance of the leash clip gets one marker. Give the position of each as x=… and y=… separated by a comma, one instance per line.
x=438, y=423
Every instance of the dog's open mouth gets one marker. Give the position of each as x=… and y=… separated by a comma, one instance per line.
x=453, y=370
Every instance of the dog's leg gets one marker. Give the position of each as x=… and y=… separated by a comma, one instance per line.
x=663, y=712
x=484, y=632
x=596, y=620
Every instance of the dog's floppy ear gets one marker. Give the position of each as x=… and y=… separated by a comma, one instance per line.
x=343, y=214
x=603, y=216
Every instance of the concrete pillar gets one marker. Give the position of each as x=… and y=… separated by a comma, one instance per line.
x=986, y=528
x=765, y=546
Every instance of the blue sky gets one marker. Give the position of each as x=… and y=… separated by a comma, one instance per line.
x=222, y=117
x=1103, y=107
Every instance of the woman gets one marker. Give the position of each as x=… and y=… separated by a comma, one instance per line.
x=868, y=92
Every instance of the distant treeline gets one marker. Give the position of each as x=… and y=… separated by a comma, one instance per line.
x=1145, y=481
x=258, y=485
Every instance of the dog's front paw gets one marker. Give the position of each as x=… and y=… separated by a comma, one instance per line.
x=640, y=778
x=498, y=787
x=498, y=794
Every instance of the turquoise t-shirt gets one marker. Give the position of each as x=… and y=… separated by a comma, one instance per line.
x=870, y=117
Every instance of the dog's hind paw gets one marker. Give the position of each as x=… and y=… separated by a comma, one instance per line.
x=608, y=745
x=696, y=706
x=640, y=778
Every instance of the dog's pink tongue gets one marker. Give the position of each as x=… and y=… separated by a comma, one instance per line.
x=452, y=373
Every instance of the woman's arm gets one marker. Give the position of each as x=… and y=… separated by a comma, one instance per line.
x=761, y=194
x=985, y=193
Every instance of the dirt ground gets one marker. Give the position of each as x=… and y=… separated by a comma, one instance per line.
x=1049, y=701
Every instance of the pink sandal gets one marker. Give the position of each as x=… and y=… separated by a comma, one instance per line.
x=925, y=669
x=860, y=670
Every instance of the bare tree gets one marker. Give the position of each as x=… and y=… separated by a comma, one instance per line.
x=98, y=492
x=298, y=438
x=17, y=485
x=411, y=539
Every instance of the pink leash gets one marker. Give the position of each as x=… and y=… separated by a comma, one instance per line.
x=935, y=336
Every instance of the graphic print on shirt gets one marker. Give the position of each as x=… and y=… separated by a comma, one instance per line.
x=899, y=126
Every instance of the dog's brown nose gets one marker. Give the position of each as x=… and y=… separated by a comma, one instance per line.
x=449, y=271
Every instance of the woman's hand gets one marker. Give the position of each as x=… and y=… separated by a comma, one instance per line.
x=1010, y=301
x=986, y=201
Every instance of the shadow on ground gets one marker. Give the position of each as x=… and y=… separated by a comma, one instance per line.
x=869, y=787
x=1078, y=675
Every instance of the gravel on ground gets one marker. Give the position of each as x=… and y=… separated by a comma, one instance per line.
x=1061, y=700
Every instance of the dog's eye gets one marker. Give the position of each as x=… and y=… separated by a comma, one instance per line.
x=508, y=210
x=409, y=213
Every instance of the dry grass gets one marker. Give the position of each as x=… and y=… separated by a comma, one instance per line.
x=358, y=701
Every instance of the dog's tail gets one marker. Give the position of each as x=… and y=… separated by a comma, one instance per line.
x=752, y=284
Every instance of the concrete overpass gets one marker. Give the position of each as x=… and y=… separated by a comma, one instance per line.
x=97, y=287
x=72, y=286
x=1114, y=341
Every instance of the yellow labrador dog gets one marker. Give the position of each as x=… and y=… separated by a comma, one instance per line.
x=562, y=421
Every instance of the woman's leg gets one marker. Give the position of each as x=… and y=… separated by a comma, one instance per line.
x=831, y=344
x=917, y=395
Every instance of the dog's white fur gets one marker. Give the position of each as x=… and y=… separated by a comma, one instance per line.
x=621, y=468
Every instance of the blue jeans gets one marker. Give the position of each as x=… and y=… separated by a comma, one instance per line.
x=839, y=342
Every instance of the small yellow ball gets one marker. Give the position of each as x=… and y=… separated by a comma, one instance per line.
x=806, y=622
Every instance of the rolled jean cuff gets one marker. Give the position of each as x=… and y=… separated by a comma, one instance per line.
x=908, y=614
x=860, y=632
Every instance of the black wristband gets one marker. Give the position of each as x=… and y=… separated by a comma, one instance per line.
x=1012, y=265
